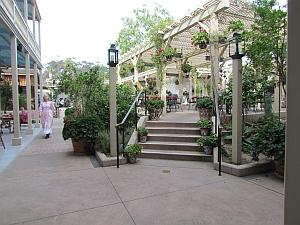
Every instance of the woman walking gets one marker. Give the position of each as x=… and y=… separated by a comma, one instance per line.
x=46, y=114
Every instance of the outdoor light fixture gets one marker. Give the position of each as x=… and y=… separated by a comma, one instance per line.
x=112, y=56
x=236, y=46
x=1, y=71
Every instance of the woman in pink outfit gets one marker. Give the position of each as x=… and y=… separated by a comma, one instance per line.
x=46, y=114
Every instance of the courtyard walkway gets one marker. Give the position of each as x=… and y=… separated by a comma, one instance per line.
x=42, y=182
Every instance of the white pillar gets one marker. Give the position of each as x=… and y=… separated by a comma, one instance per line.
x=40, y=41
x=28, y=94
x=163, y=92
x=113, y=110
x=36, y=117
x=214, y=60
x=237, y=119
x=277, y=99
x=291, y=172
x=26, y=11
x=33, y=20
x=41, y=85
x=17, y=140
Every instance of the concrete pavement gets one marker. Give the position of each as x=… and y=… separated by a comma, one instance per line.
x=46, y=184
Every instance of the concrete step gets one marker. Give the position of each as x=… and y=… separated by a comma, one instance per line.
x=175, y=155
x=174, y=130
x=174, y=146
x=172, y=137
x=170, y=124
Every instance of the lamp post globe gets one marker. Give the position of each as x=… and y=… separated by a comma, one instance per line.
x=236, y=46
x=113, y=56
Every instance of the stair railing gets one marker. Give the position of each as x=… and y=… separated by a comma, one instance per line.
x=133, y=105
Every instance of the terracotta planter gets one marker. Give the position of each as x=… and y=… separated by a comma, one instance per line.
x=82, y=148
x=208, y=150
x=204, y=113
x=143, y=139
x=204, y=131
x=132, y=159
x=279, y=171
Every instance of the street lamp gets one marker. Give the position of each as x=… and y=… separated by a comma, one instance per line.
x=112, y=62
x=236, y=46
x=236, y=52
x=112, y=56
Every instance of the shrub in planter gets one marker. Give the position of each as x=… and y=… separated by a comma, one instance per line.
x=205, y=123
x=205, y=102
x=142, y=133
x=131, y=151
x=208, y=142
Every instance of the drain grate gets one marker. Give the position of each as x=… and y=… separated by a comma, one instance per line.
x=94, y=161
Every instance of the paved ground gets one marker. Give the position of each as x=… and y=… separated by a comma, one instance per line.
x=42, y=182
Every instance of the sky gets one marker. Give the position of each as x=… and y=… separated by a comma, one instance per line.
x=85, y=29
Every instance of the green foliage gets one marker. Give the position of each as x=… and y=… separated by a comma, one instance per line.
x=69, y=111
x=132, y=149
x=200, y=37
x=205, y=123
x=6, y=96
x=153, y=104
x=210, y=140
x=84, y=128
x=270, y=140
x=102, y=143
x=142, y=131
x=144, y=24
x=186, y=68
x=205, y=102
x=22, y=101
x=197, y=84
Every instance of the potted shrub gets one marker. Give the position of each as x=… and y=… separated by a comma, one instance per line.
x=205, y=126
x=83, y=130
x=142, y=133
x=154, y=107
x=205, y=105
x=208, y=143
x=200, y=38
x=270, y=140
x=131, y=151
x=186, y=68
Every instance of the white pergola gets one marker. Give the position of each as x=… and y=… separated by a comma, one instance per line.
x=214, y=16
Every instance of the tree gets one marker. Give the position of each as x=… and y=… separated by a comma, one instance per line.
x=267, y=42
x=6, y=95
x=136, y=30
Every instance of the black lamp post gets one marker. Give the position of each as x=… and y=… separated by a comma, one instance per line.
x=236, y=46
x=113, y=59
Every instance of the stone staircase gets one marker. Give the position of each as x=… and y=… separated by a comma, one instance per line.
x=174, y=141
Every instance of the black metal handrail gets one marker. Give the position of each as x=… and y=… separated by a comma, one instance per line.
x=123, y=122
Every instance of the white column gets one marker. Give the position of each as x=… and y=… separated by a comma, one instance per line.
x=28, y=94
x=237, y=111
x=33, y=20
x=17, y=140
x=113, y=110
x=40, y=41
x=214, y=61
x=41, y=85
x=25, y=11
x=36, y=114
x=163, y=92
x=291, y=172
x=277, y=99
